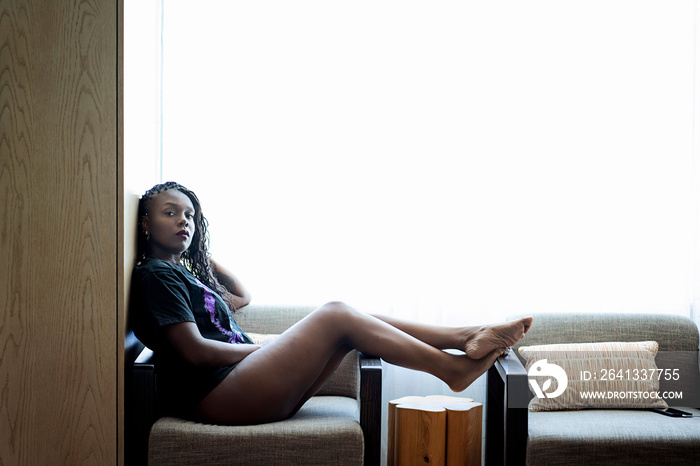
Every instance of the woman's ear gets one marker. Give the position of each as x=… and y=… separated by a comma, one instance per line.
x=144, y=223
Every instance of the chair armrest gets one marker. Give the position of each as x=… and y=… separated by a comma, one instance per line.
x=140, y=407
x=506, y=412
x=371, y=407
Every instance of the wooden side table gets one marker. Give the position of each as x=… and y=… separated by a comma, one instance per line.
x=434, y=430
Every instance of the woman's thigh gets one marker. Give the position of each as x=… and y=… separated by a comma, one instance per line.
x=269, y=384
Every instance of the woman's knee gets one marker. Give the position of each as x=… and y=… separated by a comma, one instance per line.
x=334, y=323
x=336, y=310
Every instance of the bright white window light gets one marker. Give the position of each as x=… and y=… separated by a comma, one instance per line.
x=440, y=159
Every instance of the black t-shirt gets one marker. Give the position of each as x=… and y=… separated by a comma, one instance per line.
x=164, y=293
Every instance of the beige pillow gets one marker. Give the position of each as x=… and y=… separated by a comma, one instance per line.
x=593, y=375
x=262, y=338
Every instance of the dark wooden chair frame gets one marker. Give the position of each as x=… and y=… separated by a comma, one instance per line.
x=141, y=410
x=507, y=399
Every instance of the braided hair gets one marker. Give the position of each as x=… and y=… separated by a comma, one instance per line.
x=196, y=257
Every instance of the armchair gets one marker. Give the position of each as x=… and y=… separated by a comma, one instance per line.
x=341, y=425
x=516, y=436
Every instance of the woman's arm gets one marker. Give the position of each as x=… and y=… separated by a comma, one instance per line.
x=241, y=296
x=199, y=351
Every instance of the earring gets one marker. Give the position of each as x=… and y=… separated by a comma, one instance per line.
x=147, y=233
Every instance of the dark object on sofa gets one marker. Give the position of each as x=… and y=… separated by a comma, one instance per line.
x=516, y=436
x=341, y=425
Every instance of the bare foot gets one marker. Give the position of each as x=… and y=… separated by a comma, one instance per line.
x=491, y=337
x=474, y=369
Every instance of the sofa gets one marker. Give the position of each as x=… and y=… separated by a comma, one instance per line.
x=602, y=436
x=341, y=425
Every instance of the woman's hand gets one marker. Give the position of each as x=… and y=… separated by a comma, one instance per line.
x=241, y=296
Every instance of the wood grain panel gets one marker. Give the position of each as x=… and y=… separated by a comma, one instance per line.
x=58, y=182
x=16, y=145
x=121, y=250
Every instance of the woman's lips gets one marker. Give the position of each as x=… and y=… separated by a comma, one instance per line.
x=183, y=234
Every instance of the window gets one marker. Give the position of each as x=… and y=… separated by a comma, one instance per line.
x=440, y=160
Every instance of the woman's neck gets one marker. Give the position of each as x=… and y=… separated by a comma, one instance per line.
x=165, y=256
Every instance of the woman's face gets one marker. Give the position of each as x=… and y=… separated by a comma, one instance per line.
x=170, y=222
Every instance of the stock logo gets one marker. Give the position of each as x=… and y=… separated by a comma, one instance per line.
x=542, y=368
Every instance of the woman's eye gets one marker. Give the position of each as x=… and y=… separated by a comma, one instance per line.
x=170, y=213
x=189, y=216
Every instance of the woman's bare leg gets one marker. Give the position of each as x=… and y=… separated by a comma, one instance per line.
x=327, y=371
x=271, y=383
x=476, y=341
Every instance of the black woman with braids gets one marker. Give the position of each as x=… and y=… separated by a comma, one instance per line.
x=211, y=371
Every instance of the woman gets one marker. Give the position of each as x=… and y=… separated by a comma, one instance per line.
x=210, y=370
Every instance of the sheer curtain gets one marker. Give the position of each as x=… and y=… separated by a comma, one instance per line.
x=451, y=162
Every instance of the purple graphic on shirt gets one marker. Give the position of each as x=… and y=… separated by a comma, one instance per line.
x=210, y=306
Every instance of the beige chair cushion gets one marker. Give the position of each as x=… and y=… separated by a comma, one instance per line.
x=612, y=437
x=325, y=431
